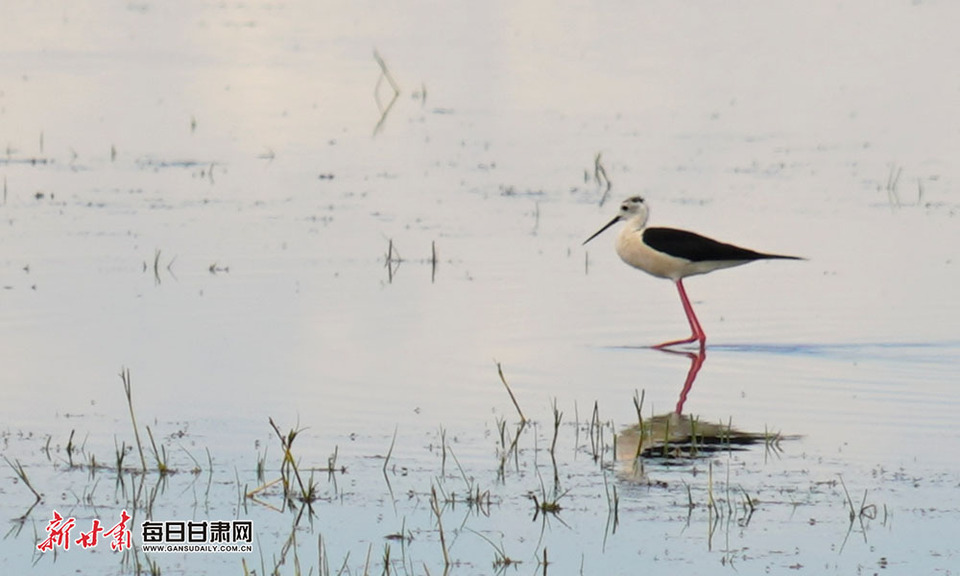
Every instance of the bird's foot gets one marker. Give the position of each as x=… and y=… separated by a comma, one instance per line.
x=700, y=338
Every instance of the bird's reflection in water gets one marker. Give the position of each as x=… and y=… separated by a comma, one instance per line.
x=696, y=362
x=675, y=436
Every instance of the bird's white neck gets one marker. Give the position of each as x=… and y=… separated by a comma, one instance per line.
x=636, y=222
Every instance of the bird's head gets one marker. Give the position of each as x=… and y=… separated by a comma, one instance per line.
x=633, y=208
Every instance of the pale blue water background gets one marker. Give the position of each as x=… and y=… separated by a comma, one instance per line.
x=772, y=126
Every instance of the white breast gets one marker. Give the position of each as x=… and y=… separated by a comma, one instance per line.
x=633, y=251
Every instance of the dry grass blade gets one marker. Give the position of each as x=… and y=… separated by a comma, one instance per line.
x=22, y=475
x=393, y=441
x=384, y=74
x=638, y=405
x=125, y=377
x=600, y=177
x=853, y=512
x=513, y=398
x=307, y=491
x=159, y=455
x=435, y=507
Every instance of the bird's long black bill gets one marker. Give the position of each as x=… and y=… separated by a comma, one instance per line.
x=600, y=231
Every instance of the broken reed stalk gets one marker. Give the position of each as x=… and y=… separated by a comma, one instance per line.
x=893, y=179
x=261, y=488
x=386, y=559
x=385, y=74
x=501, y=560
x=748, y=503
x=523, y=419
x=443, y=452
x=513, y=449
x=638, y=404
x=22, y=474
x=600, y=176
x=596, y=433
x=288, y=460
x=121, y=452
x=156, y=264
x=463, y=474
x=666, y=438
x=557, y=417
x=853, y=512
x=125, y=377
x=366, y=565
x=332, y=463
x=435, y=507
x=727, y=488
x=159, y=455
x=384, y=110
x=70, y=448
x=613, y=502
x=711, y=503
x=392, y=260
x=386, y=461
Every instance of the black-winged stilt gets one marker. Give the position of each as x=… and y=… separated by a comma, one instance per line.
x=675, y=254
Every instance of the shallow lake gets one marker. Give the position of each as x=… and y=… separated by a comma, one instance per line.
x=345, y=217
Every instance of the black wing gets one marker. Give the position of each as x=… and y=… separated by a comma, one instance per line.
x=697, y=248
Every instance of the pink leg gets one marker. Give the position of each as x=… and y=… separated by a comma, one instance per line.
x=696, y=361
x=698, y=335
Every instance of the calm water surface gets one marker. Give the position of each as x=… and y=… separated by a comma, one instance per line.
x=201, y=193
